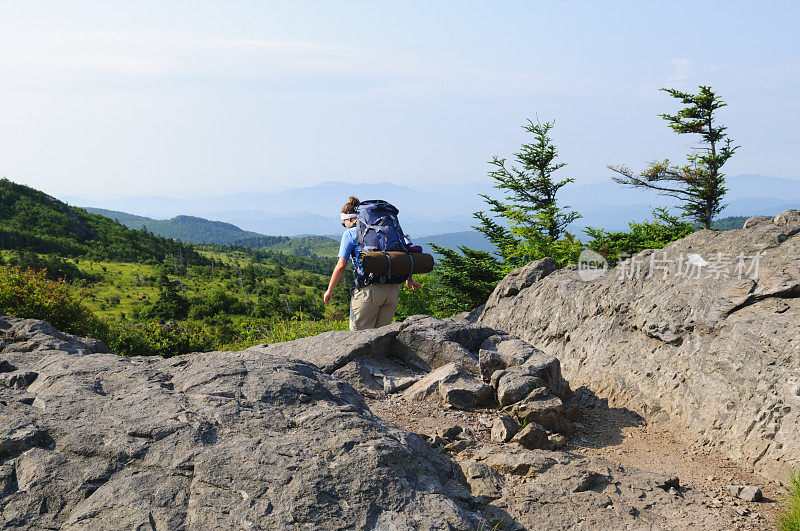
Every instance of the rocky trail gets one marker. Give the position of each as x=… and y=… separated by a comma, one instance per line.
x=677, y=408
x=624, y=438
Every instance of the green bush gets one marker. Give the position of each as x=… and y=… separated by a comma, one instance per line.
x=789, y=517
x=56, y=268
x=169, y=305
x=156, y=339
x=655, y=234
x=462, y=282
x=29, y=294
x=424, y=300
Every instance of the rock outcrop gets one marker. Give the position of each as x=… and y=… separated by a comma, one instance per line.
x=460, y=364
x=703, y=332
x=262, y=439
x=214, y=440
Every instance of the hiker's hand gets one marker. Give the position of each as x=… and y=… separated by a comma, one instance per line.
x=327, y=296
x=412, y=285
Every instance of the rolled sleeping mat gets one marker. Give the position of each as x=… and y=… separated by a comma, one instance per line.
x=376, y=263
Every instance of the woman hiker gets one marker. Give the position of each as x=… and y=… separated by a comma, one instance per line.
x=371, y=306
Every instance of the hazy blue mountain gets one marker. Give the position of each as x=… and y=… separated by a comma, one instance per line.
x=453, y=240
x=324, y=200
x=438, y=208
x=304, y=223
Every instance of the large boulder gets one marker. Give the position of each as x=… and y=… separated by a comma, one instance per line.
x=431, y=343
x=703, y=333
x=331, y=351
x=205, y=441
x=452, y=386
x=32, y=335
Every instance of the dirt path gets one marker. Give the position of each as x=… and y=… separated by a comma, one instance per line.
x=621, y=436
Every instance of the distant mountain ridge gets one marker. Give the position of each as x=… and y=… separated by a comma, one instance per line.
x=192, y=229
x=185, y=228
x=439, y=208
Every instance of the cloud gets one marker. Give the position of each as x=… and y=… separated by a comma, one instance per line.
x=123, y=55
x=683, y=69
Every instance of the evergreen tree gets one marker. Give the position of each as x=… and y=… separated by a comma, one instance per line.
x=536, y=225
x=528, y=224
x=464, y=281
x=699, y=184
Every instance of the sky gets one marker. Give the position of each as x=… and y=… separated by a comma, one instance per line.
x=103, y=99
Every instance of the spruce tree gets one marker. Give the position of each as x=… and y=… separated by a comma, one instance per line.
x=698, y=185
x=526, y=225
x=532, y=225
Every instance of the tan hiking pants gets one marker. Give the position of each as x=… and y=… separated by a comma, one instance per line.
x=373, y=306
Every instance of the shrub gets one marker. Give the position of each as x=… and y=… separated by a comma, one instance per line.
x=421, y=301
x=156, y=339
x=655, y=234
x=29, y=294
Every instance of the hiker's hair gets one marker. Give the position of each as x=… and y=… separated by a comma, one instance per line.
x=350, y=206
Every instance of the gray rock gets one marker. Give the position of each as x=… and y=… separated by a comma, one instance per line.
x=502, y=352
x=533, y=437
x=358, y=375
x=469, y=317
x=427, y=388
x=331, y=351
x=503, y=429
x=214, y=440
x=523, y=277
x=254, y=439
x=377, y=377
x=452, y=386
x=515, y=460
x=514, y=386
x=31, y=335
x=755, y=220
x=483, y=480
x=749, y=493
x=466, y=392
x=495, y=378
x=392, y=385
x=547, y=411
x=714, y=352
x=787, y=218
x=18, y=379
x=432, y=343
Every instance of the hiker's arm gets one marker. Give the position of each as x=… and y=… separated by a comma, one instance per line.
x=336, y=276
x=411, y=284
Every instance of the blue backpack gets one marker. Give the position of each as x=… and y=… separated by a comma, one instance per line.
x=378, y=231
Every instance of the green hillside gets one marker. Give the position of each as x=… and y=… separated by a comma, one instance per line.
x=34, y=221
x=146, y=294
x=185, y=228
x=299, y=246
x=198, y=230
x=729, y=223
